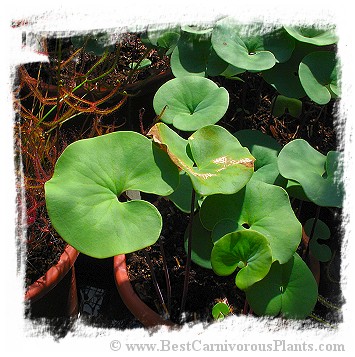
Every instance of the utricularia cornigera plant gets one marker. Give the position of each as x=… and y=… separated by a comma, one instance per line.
x=236, y=187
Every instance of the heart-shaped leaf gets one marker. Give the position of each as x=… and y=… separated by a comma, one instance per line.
x=321, y=232
x=162, y=39
x=265, y=150
x=168, y=41
x=260, y=207
x=195, y=56
x=190, y=102
x=313, y=35
x=284, y=76
x=247, y=250
x=212, y=167
x=89, y=177
x=280, y=43
x=288, y=289
x=316, y=173
x=318, y=73
x=220, y=310
x=262, y=146
x=238, y=47
x=294, y=189
x=282, y=104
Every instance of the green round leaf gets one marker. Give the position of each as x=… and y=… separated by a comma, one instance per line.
x=321, y=232
x=270, y=174
x=191, y=102
x=247, y=249
x=282, y=105
x=212, y=167
x=222, y=228
x=262, y=146
x=315, y=172
x=313, y=35
x=317, y=71
x=280, y=43
x=89, y=177
x=201, y=243
x=260, y=207
x=284, y=77
x=189, y=58
x=295, y=190
x=220, y=310
x=265, y=150
x=196, y=57
x=168, y=41
x=239, y=49
x=288, y=289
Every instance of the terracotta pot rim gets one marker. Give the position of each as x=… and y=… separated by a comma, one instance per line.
x=53, y=276
x=147, y=316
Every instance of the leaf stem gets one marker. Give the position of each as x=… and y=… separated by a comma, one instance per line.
x=312, y=230
x=189, y=250
x=155, y=282
x=166, y=272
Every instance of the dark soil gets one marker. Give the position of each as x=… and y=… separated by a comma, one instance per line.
x=250, y=107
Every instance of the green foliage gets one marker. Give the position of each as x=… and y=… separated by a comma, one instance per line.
x=213, y=168
x=247, y=250
x=194, y=55
x=288, y=289
x=220, y=310
x=265, y=149
x=313, y=35
x=90, y=176
x=321, y=232
x=320, y=81
x=243, y=222
x=291, y=59
x=258, y=206
x=316, y=173
x=144, y=63
x=190, y=103
x=201, y=244
x=282, y=104
x=244, y=51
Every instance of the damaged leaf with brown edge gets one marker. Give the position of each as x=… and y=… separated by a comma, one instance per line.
x=212, y=157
